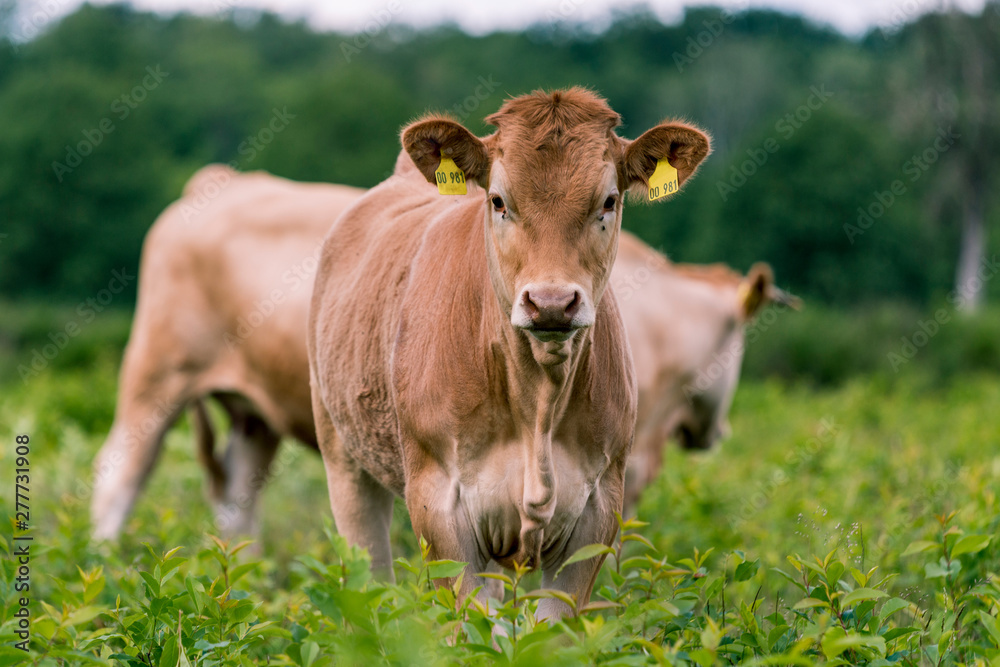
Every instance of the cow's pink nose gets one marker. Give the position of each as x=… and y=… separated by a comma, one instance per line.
x=551, y=307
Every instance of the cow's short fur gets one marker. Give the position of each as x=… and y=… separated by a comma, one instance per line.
x=682, y=321
x=224, y=288
x=433, y=375
x=686, y=330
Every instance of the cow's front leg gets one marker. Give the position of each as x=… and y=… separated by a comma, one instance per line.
x=362, y=508
x=597, y=524
x=438, y=516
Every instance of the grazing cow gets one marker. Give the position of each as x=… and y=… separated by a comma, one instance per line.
x=467, y=352
x=685, y=325
x=224, y=287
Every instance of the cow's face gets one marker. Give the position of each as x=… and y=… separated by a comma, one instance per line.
x=701, y=417
x=702, y=413
x=553, y=177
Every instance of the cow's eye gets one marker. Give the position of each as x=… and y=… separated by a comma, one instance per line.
x=498, y=204
x=610, y=202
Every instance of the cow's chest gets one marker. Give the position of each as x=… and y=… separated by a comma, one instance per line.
x=493, y=490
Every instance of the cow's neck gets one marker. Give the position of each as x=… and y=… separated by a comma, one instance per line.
x=538, y=385
x=539, y=380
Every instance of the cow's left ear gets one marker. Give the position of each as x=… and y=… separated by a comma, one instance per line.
x=754, y=290
x=429, y=139
x=684, y=147
x=757, y=290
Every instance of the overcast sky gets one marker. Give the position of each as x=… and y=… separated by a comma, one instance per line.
x=850, y=16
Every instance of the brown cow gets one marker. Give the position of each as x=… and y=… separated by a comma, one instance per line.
x=467, y=353
x=679, y=320
x=224, y=286
x=686, y=329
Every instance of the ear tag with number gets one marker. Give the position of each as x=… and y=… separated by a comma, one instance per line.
x=450, y=179
x=663, y=182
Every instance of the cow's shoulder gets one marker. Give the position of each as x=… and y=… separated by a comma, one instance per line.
x=443, y=353
x=372, y=261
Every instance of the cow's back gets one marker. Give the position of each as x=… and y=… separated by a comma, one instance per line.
x=225, y=281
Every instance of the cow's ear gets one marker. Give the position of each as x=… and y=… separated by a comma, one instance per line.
x=757, y=290
x=754, y=290
x=430, y=139
x=683, y=146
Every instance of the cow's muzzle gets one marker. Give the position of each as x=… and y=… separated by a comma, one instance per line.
x=700, y=438
x=552, y=312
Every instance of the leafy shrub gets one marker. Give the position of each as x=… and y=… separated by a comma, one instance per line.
x=203, y=610
x=876, y=501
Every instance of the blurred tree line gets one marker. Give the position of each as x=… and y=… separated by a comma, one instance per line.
x=863, y=170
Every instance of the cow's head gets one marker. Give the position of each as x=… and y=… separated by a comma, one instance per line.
x=701, y=419
x=553, y=177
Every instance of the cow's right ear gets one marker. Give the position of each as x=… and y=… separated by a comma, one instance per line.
x=430, y=139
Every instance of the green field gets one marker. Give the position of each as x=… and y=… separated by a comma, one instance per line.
x=851, y=519
x=876, y=499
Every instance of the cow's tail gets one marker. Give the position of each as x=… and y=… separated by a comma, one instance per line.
x=205, y=438
x=209, y=180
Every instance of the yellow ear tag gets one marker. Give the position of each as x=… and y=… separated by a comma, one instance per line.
x=450, y=179
x=663, y=182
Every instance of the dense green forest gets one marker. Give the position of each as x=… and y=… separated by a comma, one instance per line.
x=861, y=169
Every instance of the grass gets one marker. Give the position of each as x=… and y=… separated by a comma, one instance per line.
x=849, y=525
